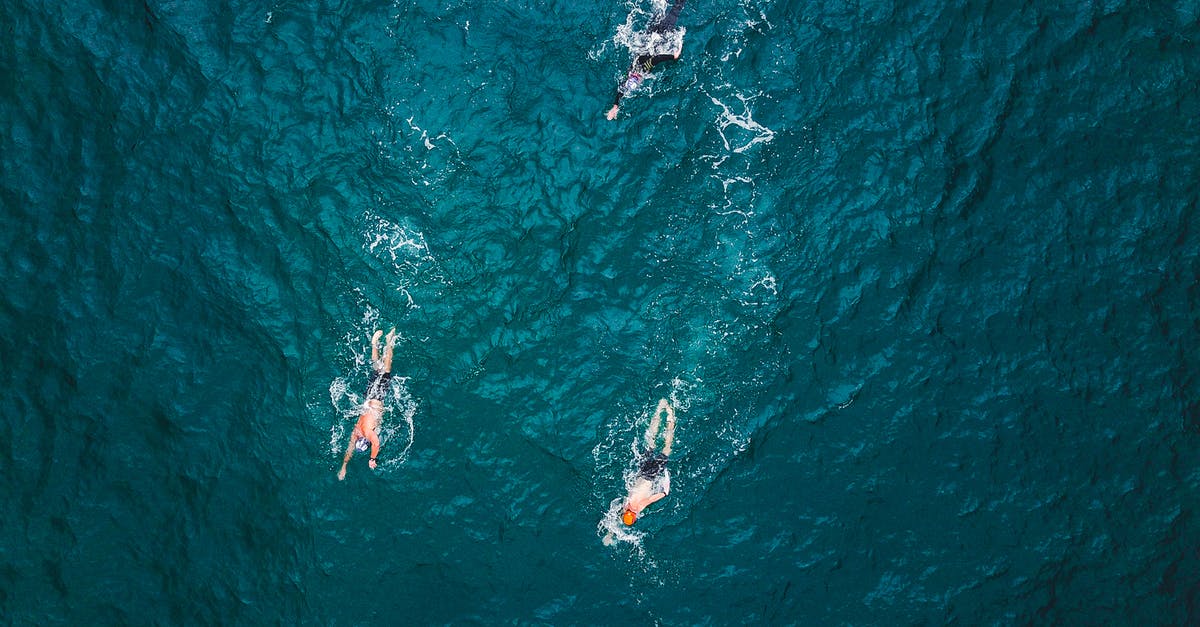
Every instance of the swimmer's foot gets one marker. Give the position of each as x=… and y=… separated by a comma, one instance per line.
x=375, y=338
x=391, y=336
x=342, y=474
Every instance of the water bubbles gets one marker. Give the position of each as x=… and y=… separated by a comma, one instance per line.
x=736, y=441
x=644, y=43
x=337, y=389
x=400, y=243
x=370, y=320
x=680, y=395
x=766, y=283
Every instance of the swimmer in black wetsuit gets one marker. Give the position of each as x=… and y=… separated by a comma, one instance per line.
x=644, y=63
x=653, y=482
x=366, y=430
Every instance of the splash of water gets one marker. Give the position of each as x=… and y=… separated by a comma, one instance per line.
x=635, y=35
x=397, y=424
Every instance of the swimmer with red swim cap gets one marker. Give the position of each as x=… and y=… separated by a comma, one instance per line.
x=653, y=481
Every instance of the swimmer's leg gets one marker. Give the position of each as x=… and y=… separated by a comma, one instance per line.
x=387, y=350
x=652, y=430
x=669, y=437
x=375, y=349
x=668, y=21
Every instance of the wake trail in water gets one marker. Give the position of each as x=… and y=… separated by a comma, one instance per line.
x=404, y=251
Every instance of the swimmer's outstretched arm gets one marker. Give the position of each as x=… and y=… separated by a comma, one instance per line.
x=651, y=62
x=375, y=348
x=664, y=406
x=670, y=436
x=671, y=56
x=388, y=349
x=612, y=113
x=639, y=500
x=346, y=459
x=652, y=430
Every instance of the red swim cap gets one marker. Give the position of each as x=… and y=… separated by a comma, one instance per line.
x=628, y=517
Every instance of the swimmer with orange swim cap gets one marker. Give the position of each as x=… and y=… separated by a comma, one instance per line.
x=653, y=482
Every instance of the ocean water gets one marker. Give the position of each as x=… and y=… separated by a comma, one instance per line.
x=921, y=279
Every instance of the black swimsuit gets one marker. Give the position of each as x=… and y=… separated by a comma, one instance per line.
x=378, y=385
x=651, y=464
x=641, y=66
x=668, y=21
x=645, y=63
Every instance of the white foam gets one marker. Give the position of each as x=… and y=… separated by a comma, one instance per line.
x=406, y=250
x=680, y=395
x=635, y=35
x=744, y=120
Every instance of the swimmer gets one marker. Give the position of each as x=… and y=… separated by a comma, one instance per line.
x=644, y=63
x=366, y=431
x=653, y=482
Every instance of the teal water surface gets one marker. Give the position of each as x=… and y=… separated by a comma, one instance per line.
x=921, y=279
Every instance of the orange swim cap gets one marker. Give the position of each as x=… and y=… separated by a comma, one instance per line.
x=628, y=517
